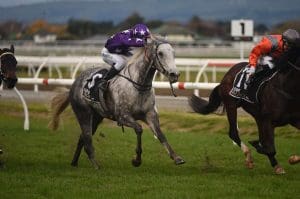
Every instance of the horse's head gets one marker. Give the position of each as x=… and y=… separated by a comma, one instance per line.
x=164, y=59
x=8, y=68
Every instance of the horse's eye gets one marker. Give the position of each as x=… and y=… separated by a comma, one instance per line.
x=160, y=54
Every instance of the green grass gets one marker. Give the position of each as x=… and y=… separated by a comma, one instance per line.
x=36, y=164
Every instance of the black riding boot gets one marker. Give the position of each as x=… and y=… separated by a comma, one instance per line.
x=110, y=74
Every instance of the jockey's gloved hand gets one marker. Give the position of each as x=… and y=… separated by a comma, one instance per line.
x=250, y=70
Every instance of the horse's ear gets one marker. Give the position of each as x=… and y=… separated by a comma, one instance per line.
x=149, y=40
x=12, y=48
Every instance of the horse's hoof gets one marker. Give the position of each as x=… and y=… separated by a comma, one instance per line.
x=136, y=163
x=249, y=165
x=95, y=164
x=294, y=159
x=179, y=161
x=279, y=170
x=74, y=164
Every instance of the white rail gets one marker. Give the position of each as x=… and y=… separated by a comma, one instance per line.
x=157, y=84
x=69, y=82
x=75, y=63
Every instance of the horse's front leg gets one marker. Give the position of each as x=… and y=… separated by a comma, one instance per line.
x=266, y=143
x=129, y=121
x=153, y=122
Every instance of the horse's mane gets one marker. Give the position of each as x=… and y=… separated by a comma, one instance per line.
x=139, y=52
x=137, y=56
x=292, y=55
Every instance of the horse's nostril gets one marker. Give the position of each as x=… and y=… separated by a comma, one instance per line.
x=174, y=74
x=173, y=77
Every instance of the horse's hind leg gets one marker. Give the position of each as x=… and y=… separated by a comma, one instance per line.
x=153, y=122
x=231, y=110
x=85, y=119
x=96, y=119
x=294, y=159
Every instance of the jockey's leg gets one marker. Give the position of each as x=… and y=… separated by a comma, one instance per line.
x=243, y=84
x=117, y=62
x=110, y=74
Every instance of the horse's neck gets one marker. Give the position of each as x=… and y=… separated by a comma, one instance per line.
x=290, y=80
x=287, y=83
x=141, y=72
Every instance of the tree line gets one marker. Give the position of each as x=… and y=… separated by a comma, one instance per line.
x=82, y=29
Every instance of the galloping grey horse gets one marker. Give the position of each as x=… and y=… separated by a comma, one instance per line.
x=129, y=98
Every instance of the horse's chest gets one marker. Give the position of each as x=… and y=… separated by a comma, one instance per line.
x=142, y=105
x=137, y=102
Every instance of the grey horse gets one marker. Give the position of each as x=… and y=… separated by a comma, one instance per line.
x=129, y=98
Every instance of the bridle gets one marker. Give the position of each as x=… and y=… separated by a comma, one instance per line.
x=146, y=87
x=284, y=93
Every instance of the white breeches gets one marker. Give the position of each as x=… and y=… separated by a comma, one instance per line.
x=116, y=60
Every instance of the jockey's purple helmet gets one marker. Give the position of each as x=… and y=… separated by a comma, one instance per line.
x=141, y=31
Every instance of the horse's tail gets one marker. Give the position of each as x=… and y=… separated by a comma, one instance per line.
x=58, y=104
x=202, y=106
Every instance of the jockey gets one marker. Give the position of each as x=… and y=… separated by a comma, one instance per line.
x=118, y=48
x=270, y=47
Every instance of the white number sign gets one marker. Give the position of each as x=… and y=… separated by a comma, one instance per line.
x=242, y=28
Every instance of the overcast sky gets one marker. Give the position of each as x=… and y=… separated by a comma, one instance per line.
x=263, y=11
x=18, y=2
x=24, y=2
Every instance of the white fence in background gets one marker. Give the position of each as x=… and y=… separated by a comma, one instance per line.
x=75, y=64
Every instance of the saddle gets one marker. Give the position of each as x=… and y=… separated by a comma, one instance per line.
x=250, y=94
x=91, y=91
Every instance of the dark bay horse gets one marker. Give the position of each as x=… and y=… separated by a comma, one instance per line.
x=8, y=68
x=129, y=98
x=279, y=105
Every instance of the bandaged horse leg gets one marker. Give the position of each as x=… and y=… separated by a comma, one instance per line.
x=294, y=159
x=153, y=122
x=249, y=160
x=234, y=135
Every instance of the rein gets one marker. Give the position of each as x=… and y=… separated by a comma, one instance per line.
x=284, y=93
x=144, y=87
x=293, y=65
x=139, y=87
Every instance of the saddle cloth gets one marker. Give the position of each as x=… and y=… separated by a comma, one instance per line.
x=250, y=94
x=91, y=90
